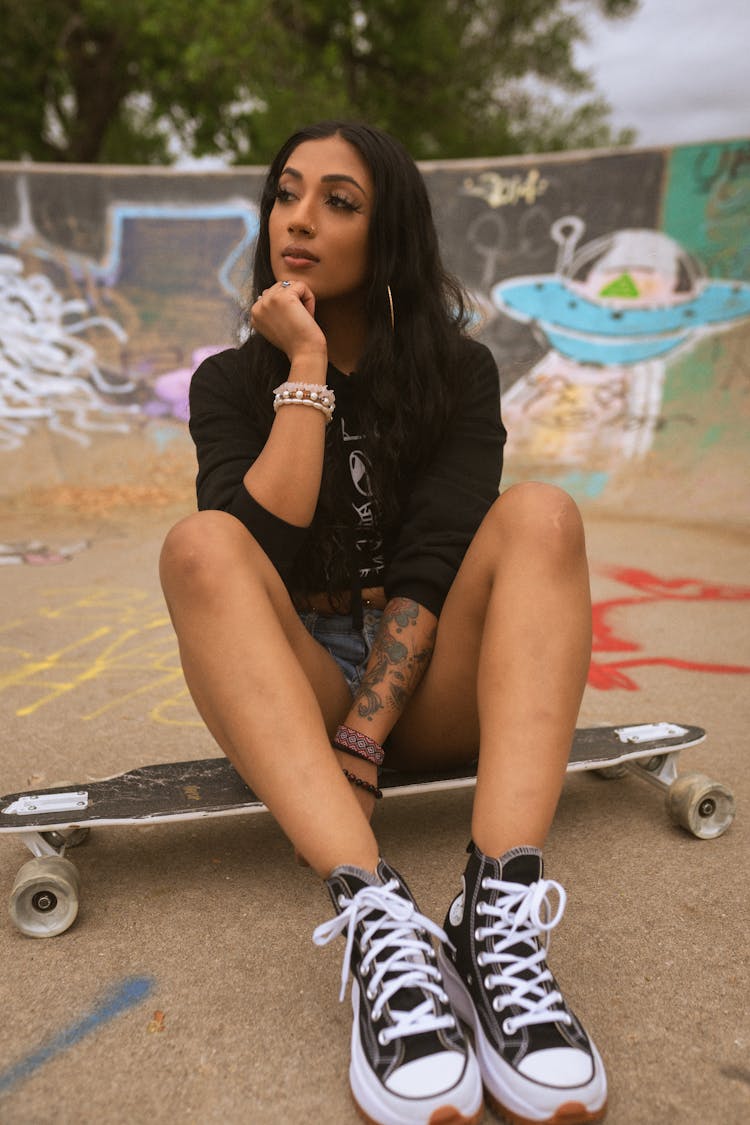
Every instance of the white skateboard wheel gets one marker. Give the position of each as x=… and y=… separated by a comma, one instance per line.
x=704, y=807
x=44, y=899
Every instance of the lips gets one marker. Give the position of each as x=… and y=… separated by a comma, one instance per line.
x=295, y=255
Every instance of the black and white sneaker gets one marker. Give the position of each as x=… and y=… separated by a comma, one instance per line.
x=537, y=1062
x=410, y=1063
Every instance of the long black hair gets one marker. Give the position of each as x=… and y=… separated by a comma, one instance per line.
x=410, y=381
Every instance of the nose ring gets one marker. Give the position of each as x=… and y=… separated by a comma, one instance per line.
x=285, y=284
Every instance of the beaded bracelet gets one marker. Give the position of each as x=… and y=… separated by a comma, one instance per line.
x=360, y=745
x=317, y=395
x=362, y=784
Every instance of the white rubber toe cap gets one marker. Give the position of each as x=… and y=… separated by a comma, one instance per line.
x=564, y=1067
x=426, y=1077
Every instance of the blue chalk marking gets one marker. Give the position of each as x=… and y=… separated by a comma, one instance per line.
x=581, y=484
x=119, y=999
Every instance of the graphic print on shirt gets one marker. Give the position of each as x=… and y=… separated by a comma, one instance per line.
x=369, y=543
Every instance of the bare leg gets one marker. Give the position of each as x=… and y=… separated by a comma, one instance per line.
x=269, y=694
x=509, y=666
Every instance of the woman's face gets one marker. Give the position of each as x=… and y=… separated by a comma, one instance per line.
x=319, y=224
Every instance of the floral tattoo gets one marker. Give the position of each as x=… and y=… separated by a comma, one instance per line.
x=399, y=659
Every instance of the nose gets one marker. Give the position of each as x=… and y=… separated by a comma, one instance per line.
x=301, y=226
x=300, y=221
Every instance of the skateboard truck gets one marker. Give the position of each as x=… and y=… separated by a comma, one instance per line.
x=703, y=807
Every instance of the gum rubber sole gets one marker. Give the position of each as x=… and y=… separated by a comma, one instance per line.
x=571, y=1113
x=446, y=1115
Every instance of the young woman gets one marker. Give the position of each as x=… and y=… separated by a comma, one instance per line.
x=354, y=582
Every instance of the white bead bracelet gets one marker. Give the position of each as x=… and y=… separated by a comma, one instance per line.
x=305, y=394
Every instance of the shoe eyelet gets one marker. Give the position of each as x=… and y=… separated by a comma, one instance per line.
x=444, y=998
x=488, y=982
x=481, y=909
x=481, y=960
x=381, y=1040
x=341, y=901
x=476, y=935
x=485, y=884
x=508, y=1027
x=370, y=994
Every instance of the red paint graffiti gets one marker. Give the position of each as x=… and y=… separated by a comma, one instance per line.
x=608, y=674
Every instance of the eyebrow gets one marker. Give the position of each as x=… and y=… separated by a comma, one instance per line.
x=331, y=178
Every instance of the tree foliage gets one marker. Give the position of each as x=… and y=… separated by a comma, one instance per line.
x=94, y=81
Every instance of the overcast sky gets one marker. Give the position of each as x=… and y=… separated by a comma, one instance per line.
x=678, y=71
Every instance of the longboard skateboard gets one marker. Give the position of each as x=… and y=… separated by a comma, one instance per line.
x=44, y=898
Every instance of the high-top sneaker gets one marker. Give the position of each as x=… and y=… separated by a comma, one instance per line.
x=410, y=1063
x=537, y=1062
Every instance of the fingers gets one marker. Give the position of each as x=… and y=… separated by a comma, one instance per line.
x=285, y=314
x=307, y=297
x=289, y=291
x=286, y=307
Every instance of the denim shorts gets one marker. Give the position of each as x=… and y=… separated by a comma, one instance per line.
x=349, y=647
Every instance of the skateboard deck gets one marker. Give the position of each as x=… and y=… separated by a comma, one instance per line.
x=50, y=821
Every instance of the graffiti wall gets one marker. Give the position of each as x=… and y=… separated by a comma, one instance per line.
x=613, y=289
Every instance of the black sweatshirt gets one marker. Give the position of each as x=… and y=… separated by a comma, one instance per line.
x=443, y=504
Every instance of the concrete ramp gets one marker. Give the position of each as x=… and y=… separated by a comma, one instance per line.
x=613, y=288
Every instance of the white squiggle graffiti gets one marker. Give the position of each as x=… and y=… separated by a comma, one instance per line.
x=46, y=371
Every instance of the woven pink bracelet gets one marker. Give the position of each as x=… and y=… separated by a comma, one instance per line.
x=358, y=744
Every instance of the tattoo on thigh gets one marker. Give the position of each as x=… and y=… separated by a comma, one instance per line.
x=399, y=659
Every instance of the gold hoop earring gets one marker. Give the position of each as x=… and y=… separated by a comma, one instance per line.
x=390, y=307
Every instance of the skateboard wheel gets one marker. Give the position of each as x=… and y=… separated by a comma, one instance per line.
x=44, y=899
x=702, y=806
x=612, y=773
x=76, y=836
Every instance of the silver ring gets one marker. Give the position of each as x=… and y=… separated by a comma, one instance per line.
x=285, y=284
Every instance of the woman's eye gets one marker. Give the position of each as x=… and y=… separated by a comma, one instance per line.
x=342, y=202
x=334, y=200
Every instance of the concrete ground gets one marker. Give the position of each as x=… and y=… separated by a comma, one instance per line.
x=189, y=988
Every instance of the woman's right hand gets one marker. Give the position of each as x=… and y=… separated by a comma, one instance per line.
x=285, y=476
x=285, y=316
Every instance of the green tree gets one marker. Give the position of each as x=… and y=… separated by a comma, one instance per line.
x=134, y=82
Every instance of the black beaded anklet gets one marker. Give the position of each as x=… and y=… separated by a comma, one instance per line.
x=362, y=784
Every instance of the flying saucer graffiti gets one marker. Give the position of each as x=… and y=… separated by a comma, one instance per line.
x=632, y=296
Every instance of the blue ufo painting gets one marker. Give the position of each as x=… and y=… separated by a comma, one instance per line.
x=632, y=296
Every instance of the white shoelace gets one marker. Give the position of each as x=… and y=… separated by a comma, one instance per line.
x=390, y=943
x=522, y=915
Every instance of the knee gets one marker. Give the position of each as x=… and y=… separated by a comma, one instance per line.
x=198, y=553
x=540, y=518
